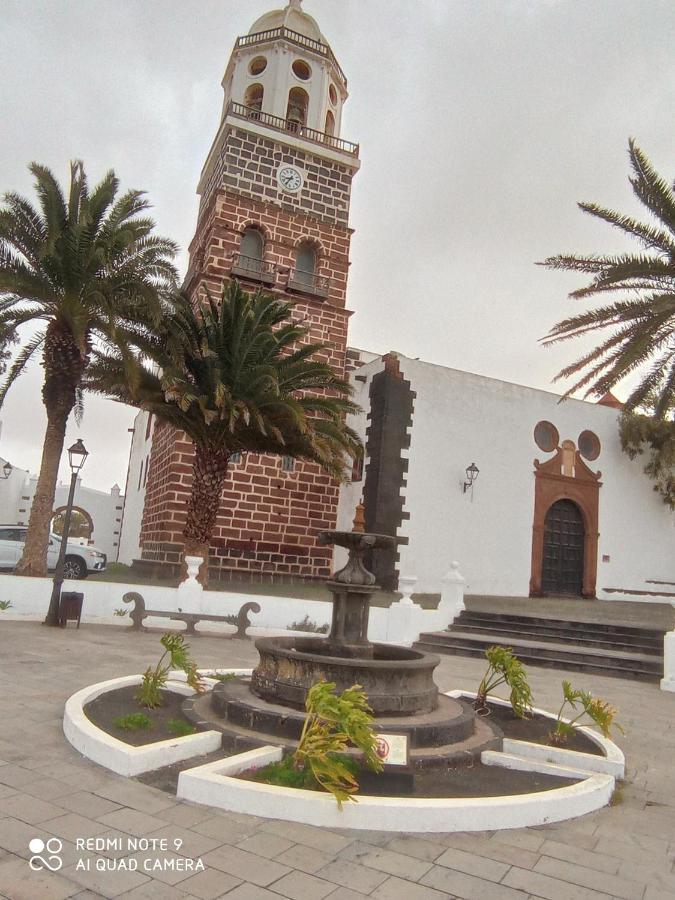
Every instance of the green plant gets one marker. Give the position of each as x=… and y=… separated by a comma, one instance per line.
x=226, y=676
x=333, y=723
x=120, y=612
x=133, y=722
x=598, y=711
x=308, y=624
x=180, y=727
x=644, y=434
x=285, y=773
x=178, y=653
x=504, y=668
x=5, y=604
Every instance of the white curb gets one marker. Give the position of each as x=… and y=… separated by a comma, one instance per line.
x=612, y=762
x=214, y=785
x=122, y=758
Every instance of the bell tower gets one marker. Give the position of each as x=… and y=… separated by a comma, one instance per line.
x=274, y=213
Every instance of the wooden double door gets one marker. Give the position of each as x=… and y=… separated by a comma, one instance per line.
x=563, y=556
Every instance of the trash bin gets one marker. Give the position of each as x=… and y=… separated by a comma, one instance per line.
x=70, y=607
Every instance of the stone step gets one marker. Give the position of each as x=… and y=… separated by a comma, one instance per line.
x=564, y=626
x=558, y=635
x=601, y=662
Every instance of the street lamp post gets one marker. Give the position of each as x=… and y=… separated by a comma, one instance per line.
x=77, y=454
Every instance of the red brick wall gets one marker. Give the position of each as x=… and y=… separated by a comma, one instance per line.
x=269, y=518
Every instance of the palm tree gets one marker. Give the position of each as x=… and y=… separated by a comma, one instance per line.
x=82, y=269
x=643, y=321
x=235, y=376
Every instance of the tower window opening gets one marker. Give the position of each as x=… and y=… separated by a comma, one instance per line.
x=258, y=65
x=296, y=113
x=332, y=94
x=330, y=123
x=253, y=99
x=301, y=70
x=287, y=464
x=305, y=260
x=251, y=250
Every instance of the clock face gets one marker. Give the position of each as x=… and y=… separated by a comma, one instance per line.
x=289, y=178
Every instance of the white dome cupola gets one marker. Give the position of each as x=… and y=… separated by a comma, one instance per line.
x=284, y=72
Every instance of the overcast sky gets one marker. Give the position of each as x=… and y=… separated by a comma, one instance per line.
x=481, y=124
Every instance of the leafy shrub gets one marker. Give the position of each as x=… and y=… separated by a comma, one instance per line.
x=119, y=612
x=5, y=604
x=308, y=624
x=333, y=723
x=180, y=727
x=504, y=668
x=224, y=676
x=598, y=711
x=133, y=722
x=285, y=773
x=178, y=653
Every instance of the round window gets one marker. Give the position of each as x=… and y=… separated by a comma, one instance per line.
x=546, y=436
x=332, y=93
x=301, y=70
x=589, y=445
x=257, y=65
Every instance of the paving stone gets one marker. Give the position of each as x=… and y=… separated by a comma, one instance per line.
x=28, y=809
x=48, y=789
x=153, y=890
x=540, y=885
x=386, y=860
x=398, y=889
x=16, y=835
x=110, y=884
x=590, y=878
x=307, y=859
x=417, y=847
x=19, y=882
x=84, y=803
x=251, y=892
x=191, y=844
x=247, y=866
x=209, y=884
x=265, y=844
x=343, y=893
x=633, y=847
x=148, y=858
x=300, y=886
x=472, y=864
x=132, y=821
x=15, y=776
x=654, y=893
x=355, y=877
x=319, y=838
x=134, y=795
x=662, y=879
x=6, y=790
x=468, y=887
x=223, y=829
x=71, y=826
x=186, y=815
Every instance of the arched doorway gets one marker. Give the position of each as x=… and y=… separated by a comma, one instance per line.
x=562, y=570
x=81, y=524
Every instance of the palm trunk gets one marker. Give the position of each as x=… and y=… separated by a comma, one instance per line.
x=209, y=470
x=64, y=364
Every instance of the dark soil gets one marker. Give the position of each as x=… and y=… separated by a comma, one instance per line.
x=537, y=729
x=121, y=702
x=166, y=778
x=474, y=781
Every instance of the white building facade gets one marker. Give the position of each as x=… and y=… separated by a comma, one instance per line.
x=556, y=507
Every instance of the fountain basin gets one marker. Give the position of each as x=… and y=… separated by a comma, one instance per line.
x=397, y=680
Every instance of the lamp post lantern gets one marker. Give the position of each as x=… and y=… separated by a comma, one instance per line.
x=77, y=455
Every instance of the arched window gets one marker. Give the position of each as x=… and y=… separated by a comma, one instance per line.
x=330, y=123
x=305, y=264
x=296, y=113
x=253, y=98
x=251, y=250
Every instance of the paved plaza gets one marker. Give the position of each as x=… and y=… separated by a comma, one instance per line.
x=47, y=789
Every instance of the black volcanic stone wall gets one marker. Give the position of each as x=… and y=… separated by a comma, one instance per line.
x=391, y=412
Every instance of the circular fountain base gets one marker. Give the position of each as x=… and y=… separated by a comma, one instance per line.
x=397, y=681
x=449, y=735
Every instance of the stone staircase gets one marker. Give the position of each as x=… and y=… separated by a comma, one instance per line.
x=599, y=648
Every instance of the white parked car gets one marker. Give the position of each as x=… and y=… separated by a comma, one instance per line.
x=79, y=562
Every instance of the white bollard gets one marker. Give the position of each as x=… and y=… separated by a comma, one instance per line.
x=403, y=616
x=190, y=591
x=668, y=680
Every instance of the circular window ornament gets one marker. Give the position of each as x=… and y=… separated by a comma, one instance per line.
x=301, y=70
x=257, y=65
x=332, y=94
x=546, y=436
x=289, y=179
x=589, y=445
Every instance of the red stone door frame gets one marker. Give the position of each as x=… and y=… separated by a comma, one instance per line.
x=584, y=490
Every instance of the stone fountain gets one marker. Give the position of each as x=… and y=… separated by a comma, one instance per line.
x=268, y=707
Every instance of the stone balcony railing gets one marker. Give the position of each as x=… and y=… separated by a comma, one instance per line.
x=254, y=269
x=293, y=37
x=300, y=282
x=239, y=111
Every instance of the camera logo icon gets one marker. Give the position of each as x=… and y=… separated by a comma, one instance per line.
x=53, y=861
